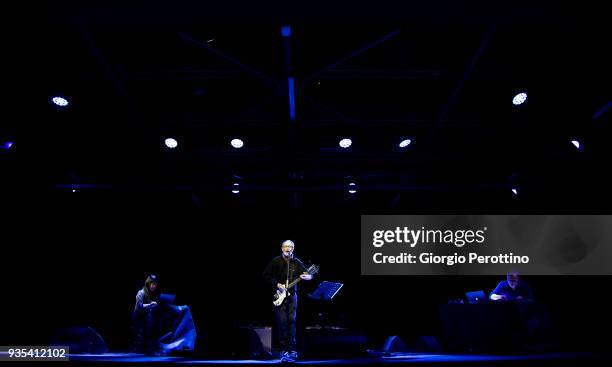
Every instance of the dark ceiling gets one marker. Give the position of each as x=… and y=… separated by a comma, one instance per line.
x=440, y=73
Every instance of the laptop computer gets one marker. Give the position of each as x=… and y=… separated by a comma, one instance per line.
x=476, y=297
x=167, y=298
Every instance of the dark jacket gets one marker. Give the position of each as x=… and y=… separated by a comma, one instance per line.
x=279, y=268
x=522, y=289
x=144, y=296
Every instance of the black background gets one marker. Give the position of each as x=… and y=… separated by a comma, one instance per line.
x=78, y=258
x=80, y=261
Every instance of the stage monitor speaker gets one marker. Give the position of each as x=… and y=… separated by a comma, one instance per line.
x=427, y=344
x=247, y=342
x=259, y=341
x=331, y=343
x=394, y=344
x=80, y=339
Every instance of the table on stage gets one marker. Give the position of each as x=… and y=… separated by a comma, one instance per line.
x=493, y=326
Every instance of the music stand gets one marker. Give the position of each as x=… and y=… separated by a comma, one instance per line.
x=326, y=291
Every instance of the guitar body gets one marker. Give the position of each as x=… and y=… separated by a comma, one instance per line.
x=281, y=295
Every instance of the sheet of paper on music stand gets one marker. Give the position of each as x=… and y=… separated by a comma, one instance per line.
x=326, y=291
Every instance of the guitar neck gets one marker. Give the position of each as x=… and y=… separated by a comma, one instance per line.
x=312, y=270
x=292, y=284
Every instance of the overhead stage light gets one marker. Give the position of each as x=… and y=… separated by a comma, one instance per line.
x=405, y=143
x=352, y=188
x=59, y=101
x=345, y=143
x=519, y=99
x=237, y=143
x=171, y=143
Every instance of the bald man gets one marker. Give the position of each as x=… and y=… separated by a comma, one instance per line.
x=512, y=289
x=280, y=272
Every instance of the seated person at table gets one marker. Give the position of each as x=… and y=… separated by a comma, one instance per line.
x=512, y=289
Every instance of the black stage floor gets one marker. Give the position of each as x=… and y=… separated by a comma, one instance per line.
x=548, y=359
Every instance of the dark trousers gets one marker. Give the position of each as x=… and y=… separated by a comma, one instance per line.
x=285, y=324
x=146, y=325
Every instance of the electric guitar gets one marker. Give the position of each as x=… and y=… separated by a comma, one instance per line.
x=280, y=295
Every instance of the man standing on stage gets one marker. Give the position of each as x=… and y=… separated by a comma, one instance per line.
x=280, y=272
